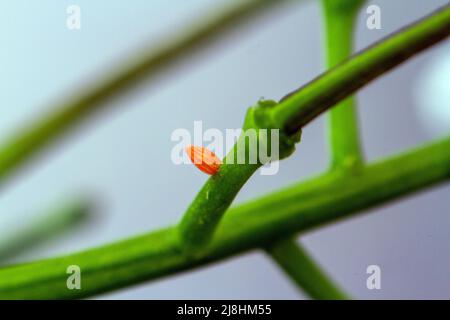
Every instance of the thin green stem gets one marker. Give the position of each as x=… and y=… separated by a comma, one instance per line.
x=339, y=18
x=147, y=64
x=255, y=224
x=303, y=105
x=304, y=271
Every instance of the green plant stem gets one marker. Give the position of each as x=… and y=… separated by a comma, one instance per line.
x=199, y=224
x=208, y=207
x=255, y=224
x=61, y=117
x=303, y=105
x=294, y=112
x=339, y=18
x=43, y=227
x=204, y=214
x=304, y=271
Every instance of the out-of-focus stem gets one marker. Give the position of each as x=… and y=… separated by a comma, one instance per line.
x=34, y=136
x=45, y=226
x=304, y=271
x=339, y=18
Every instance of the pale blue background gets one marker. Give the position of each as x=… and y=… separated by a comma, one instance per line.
x=123, y=156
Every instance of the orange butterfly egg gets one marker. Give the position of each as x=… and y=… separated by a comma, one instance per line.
x=204, y=159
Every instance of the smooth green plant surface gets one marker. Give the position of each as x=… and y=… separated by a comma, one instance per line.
x=265, y=222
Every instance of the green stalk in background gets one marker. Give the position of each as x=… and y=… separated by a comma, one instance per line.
x=35, y=136
x=299, y=108
x=48, y=225
x=303, y=105
x=304, y=271
x=256, y=224
x=340, y=17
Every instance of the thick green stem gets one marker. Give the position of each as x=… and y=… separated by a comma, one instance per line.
x=208, y=207
x=35, y=136
x=304, y=271
x=255, y=224
x=300, y=107
x=204, y=214
x=340, y=17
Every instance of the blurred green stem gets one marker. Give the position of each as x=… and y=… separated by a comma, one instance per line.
x=340, y=17
x=44, y=227
x=208, y=29
x=304, y=271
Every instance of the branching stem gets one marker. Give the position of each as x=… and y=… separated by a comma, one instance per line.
x=254, y=224
x=339, y=16
x=203, y=216
x=303, y=105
